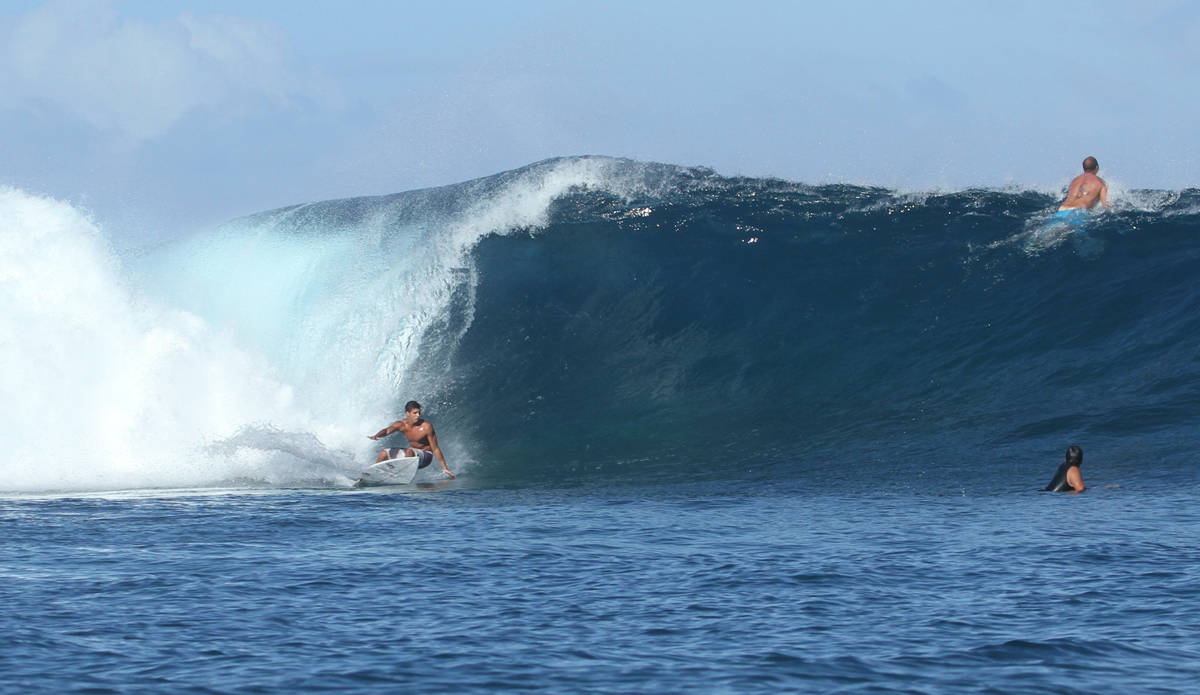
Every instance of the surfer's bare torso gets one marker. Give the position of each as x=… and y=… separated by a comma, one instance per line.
x=417, y=433
x=1085, y=192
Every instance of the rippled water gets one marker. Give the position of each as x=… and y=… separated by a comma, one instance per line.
x=650, y=589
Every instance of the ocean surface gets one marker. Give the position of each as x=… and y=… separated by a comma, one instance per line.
x=712, y=434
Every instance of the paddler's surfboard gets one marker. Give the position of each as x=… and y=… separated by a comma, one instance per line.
x=398, y=471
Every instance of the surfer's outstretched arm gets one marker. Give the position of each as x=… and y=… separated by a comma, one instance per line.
x=437, y=451
x=394, y=427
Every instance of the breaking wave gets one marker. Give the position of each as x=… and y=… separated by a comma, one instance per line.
x=593, y=319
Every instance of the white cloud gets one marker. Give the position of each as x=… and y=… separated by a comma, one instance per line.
x=137, y=79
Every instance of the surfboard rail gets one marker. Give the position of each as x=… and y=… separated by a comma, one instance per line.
x=397, y=471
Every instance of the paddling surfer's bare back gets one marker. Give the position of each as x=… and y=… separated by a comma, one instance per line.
x=1087, y=189
x=418, y=432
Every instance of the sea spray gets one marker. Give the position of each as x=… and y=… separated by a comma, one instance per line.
x=101, y=390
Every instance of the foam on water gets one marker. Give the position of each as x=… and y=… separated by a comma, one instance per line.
x=101, y=389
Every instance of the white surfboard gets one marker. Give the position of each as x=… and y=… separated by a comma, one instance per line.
x=397, y=471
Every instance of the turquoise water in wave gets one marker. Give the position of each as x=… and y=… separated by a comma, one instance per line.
x=445, y=589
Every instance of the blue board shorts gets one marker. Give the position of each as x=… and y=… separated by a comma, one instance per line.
x=1073, y=217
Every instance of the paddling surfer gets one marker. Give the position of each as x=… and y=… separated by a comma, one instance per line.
x=1085, y=192
x=421, y=439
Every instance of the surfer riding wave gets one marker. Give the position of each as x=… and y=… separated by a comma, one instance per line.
x=421, y=439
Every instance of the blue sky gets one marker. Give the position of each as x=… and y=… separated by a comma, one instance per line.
x=164, y=117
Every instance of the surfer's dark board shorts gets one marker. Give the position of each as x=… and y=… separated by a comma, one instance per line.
x=424, y=458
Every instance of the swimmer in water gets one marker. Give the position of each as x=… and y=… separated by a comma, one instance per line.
x=1068, y=478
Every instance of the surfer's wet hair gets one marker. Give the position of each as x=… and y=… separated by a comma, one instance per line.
x=411, y=406
x=1090, y=164
x=1075, y=456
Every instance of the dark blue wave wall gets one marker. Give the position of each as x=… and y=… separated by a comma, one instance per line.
x=840, y=335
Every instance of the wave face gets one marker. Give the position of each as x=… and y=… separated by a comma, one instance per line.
x=591, y=320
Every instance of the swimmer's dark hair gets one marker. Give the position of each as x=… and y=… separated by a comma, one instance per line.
x=411, y=406
x=1075, y=455
x=1090, y=164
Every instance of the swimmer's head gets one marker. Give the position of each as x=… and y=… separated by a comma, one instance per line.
x=1090, y=165
x=1074, y=453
